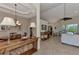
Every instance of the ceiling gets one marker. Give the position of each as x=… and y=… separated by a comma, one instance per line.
x=26, y=10
x=53, y=12
x=47, y=6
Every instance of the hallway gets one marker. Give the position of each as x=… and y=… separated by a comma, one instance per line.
x=53, y=46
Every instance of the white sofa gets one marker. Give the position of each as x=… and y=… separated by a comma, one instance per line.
x=71, y=39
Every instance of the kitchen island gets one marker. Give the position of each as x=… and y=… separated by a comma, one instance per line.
x=18, y=47
x=71, y=39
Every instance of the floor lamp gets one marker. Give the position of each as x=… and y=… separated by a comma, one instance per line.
x=32, y=25
x=9, y=22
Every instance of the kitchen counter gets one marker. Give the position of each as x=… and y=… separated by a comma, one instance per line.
x=14, y=44
x=71, y=39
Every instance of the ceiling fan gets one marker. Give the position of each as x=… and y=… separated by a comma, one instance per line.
x=65, y=18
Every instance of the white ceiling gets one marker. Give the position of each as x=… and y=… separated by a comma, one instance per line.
x=55, y=11
x=26, y=10
x=47, y=6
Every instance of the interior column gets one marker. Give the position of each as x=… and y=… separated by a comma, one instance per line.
x=38, y=24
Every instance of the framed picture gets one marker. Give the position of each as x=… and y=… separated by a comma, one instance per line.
x=44, y=27
x=3, y=27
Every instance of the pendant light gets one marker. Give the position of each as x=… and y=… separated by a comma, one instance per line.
x=16, y=21
x=65, y=17
x=15, y=12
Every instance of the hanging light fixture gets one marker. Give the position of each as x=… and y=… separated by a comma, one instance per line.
x=65, y=18
x=16, y=21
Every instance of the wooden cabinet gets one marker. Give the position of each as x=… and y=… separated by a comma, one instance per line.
x=45, y=35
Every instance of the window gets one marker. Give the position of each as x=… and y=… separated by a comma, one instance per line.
x=71, y=28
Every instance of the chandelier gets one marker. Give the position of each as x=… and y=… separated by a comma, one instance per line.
x=16, y=21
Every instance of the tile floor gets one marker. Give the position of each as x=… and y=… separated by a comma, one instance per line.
x=53, y=46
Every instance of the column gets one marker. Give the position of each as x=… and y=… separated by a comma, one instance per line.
x=38, y=24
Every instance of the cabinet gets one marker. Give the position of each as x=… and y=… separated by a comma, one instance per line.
x=45, y=35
